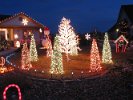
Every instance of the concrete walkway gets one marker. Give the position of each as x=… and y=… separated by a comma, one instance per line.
x=6, y=52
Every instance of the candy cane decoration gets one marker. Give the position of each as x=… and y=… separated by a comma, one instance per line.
x=9, y=86
x=3, y=61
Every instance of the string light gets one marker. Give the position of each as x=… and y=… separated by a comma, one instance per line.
x=82, y=72
x=17, y=44
x=72, y=73
x=117, y=30
x=40, y=30
x=16, y=36
x=21, y=13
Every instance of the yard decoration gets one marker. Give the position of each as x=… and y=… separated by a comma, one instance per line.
x=121, y=44
x=46, y=42
x=33, y=50
x=10, y=86
x=56, y=58
x=95, y=62
x=106, y=52
x=67, y=38
x=25, y=59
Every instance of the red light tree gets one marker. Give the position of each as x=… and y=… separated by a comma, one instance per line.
x=95, y=62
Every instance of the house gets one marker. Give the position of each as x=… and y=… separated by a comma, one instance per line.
x=19, y=26
x=124, y=23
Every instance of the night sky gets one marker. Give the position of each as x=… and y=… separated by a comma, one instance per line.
x=85, y=15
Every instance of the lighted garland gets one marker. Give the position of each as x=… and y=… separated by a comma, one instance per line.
x=20, y=14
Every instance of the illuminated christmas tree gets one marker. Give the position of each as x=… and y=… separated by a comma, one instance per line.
x=95, y=62
x=75, y=47
x=33, y=50
x=25, y=61
x=67, y=37
x=106, y=53
x=56, y=59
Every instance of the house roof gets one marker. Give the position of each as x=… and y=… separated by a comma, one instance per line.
x=129, y=11
x=121, y=37
x=5, y=18
x=2, y=17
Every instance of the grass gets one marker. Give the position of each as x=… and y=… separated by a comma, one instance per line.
x=76, y=64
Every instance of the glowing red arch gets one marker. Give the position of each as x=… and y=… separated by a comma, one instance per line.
x=9, y=86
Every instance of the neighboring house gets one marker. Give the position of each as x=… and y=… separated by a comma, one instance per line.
x=19, y=26
x=126, y=13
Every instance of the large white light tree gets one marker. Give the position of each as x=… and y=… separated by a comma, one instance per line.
x=67, y=38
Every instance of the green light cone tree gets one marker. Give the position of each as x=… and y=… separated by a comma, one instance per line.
x=106, y=52
x=56, y=58
x=33, y=50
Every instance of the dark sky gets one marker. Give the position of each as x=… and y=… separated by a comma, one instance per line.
x=85, y=15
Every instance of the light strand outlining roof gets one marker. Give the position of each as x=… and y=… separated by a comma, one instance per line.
x=23, y=14
x=120, y=38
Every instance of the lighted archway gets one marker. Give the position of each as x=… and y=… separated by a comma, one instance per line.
x=9, y=86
